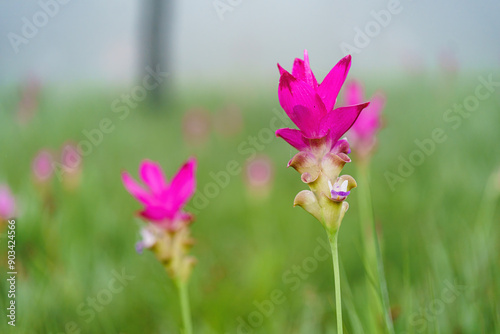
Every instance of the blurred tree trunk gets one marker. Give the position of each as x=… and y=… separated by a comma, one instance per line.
x=155, y=40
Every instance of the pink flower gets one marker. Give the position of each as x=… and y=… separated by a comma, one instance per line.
x=7, y=203
x=196, y=125
x=259, y=176
x=42, y=166
x=311, y=106
x=362, y=134
x=163, y=200
x=70, y=158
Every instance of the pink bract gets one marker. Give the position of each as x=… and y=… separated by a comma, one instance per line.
x=362, y=134
x=163, y=201
x=7, y=203
x=311, y=106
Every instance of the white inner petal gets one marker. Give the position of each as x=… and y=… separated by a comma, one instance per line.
x=344, y=185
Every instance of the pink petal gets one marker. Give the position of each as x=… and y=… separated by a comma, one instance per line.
x=339, y=120
x=302, y=71
x=135, y=189
x=183, y=186
x=152, y=175
x=353, y=93
x=369, y=121
x=156, y=213
x=7, y=203
x=281, y=69
x=342, y=146
x=301, y=103
x=329, y=89
x=293, y=137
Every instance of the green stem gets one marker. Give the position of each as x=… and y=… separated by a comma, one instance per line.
x=185, y=309
x=366, y=214
x=336, y=273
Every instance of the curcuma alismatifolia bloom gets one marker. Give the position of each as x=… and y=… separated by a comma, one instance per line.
x=362, y=135
x=167, y=233
x=322, y=152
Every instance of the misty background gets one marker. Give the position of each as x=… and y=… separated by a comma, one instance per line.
x=102, y=41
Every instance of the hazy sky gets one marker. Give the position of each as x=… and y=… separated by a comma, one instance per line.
x=96, y=40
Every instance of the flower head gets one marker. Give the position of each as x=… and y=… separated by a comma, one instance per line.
x=7, y=203
x=323, y=154
x=362, y=134
x=163, y=201
x=311, y=106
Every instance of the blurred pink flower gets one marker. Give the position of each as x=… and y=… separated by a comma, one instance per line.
x=7, y=203
x=196, y=126
x=448, y=61
x=311, y=107
x=71, y=161
x=259, y=174
x=163, y=200
x=42, y=166
x=362, y=136
x=28, y=104
x=70, y=158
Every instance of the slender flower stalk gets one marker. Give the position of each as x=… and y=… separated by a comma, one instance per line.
x=366, y=215
x=362, y=137
x=322, y=152
x=167, y=232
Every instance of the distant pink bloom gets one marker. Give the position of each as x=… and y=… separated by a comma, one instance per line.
x=42, y=166
x=259, y=174
x=28, y=104
x=71, y=162
x=196, y=125
x=448, y=61
x=70, y=158
x=311, y=106
x=163, y=200
x=362, y=135
x=7, y=203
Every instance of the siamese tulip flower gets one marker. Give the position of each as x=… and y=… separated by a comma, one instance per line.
x=311, y=106
x=167, y=233
x=163, y=201
x=362, y=134
x=7, y=203
x=322, y=152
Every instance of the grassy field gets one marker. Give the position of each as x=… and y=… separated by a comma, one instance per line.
x=261, y=266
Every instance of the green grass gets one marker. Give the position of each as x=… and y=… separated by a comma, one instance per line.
x=438, y=227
